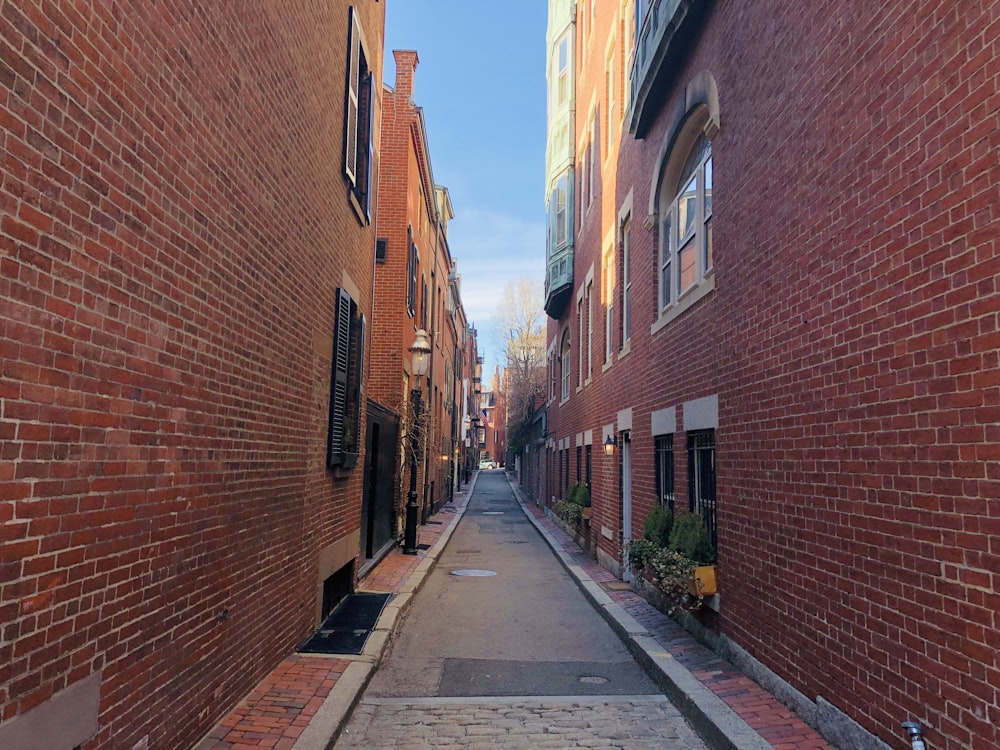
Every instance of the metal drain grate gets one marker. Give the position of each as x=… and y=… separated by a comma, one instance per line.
x=474, y=573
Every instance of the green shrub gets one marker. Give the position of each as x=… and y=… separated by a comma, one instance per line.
x=582, y=495
x=690, y=537
x=571, y=494
x=569, y=512
x=639, y=554
x=657, y=526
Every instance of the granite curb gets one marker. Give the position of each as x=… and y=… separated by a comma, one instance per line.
x=718, y=724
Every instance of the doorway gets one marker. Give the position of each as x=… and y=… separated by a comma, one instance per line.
x=378, y=519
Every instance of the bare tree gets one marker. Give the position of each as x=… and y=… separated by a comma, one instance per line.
x=519, y=324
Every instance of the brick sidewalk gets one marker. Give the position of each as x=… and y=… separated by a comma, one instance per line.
x=762, y=711
x=276, y=713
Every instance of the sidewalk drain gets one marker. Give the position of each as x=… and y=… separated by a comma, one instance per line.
x=593, y=680
x=492, y=512
x=473, y=573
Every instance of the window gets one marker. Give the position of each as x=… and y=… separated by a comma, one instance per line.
x=560, y=228
x=590, y=328
x=593, y=156
x=583, y=183
x=701, y=477
x=609, y=310
x=564, y=363
x=610, y=84
x=626, y=318
x=423, y=303
x=562, y=87
x=343, y=437
x=581, y=336
x=579, y=464
x=686, y=228
x=588, y=465
x=629, y=33
x=359, y=118
x=412, y=261
x=664, y=457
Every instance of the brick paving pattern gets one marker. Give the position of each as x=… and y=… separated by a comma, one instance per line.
x=771, y=719
x=280, y=708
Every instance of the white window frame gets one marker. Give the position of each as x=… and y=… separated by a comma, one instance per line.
x=359, y=119
x=673, y=299
x=612, y=99
x=626, y=312
x=590, y=328
x=565, y=362
x=609, y=308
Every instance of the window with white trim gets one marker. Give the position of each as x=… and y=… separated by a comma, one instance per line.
x=359, y=117
x=609, y=309
x=590, y=328
x=686, y=227
x=564, y=362
x=562, y=76
x=611, y=99
x=626, y=314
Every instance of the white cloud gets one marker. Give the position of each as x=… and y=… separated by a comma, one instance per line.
x=492, y=248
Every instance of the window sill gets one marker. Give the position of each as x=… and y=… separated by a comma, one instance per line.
x=626, y=348
x=688, y=300
x=607, y=363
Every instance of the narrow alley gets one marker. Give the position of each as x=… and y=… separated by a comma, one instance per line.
x=500, y=649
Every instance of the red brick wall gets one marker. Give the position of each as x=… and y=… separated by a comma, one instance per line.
x=852, y=341
x=173, y=226
x=408, y=200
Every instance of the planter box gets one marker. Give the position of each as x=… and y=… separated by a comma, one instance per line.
x=704, y=582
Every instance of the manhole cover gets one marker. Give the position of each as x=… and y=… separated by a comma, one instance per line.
x=593, y=680
x=474, y=573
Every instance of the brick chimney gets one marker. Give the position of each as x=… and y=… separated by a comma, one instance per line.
x=406, y=63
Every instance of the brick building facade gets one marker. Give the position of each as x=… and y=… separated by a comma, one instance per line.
x=797, y=336
x=186, y=197
x=417, y=288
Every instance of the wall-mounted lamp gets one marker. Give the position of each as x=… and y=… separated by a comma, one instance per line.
x=609, y=445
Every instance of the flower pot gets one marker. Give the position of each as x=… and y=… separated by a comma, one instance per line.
x=585, y=513
x=704, y=583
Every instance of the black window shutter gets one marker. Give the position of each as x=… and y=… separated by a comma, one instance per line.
x=338, y=379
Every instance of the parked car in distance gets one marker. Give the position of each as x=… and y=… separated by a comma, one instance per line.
x=487, y=464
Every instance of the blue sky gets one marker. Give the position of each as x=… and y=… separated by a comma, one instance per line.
x=481, y=84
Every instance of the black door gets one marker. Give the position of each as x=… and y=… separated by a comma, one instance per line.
x=377, y=511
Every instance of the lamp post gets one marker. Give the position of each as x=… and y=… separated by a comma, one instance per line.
x=421, y=354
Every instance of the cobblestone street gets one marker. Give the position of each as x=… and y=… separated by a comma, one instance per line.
x=623, y=723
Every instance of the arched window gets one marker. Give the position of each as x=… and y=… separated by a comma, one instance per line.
x=685, y=210
x=564, y=362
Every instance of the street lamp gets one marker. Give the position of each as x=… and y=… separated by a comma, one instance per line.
x=420, y=358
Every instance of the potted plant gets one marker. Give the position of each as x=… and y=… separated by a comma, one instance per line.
x=689, y=536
